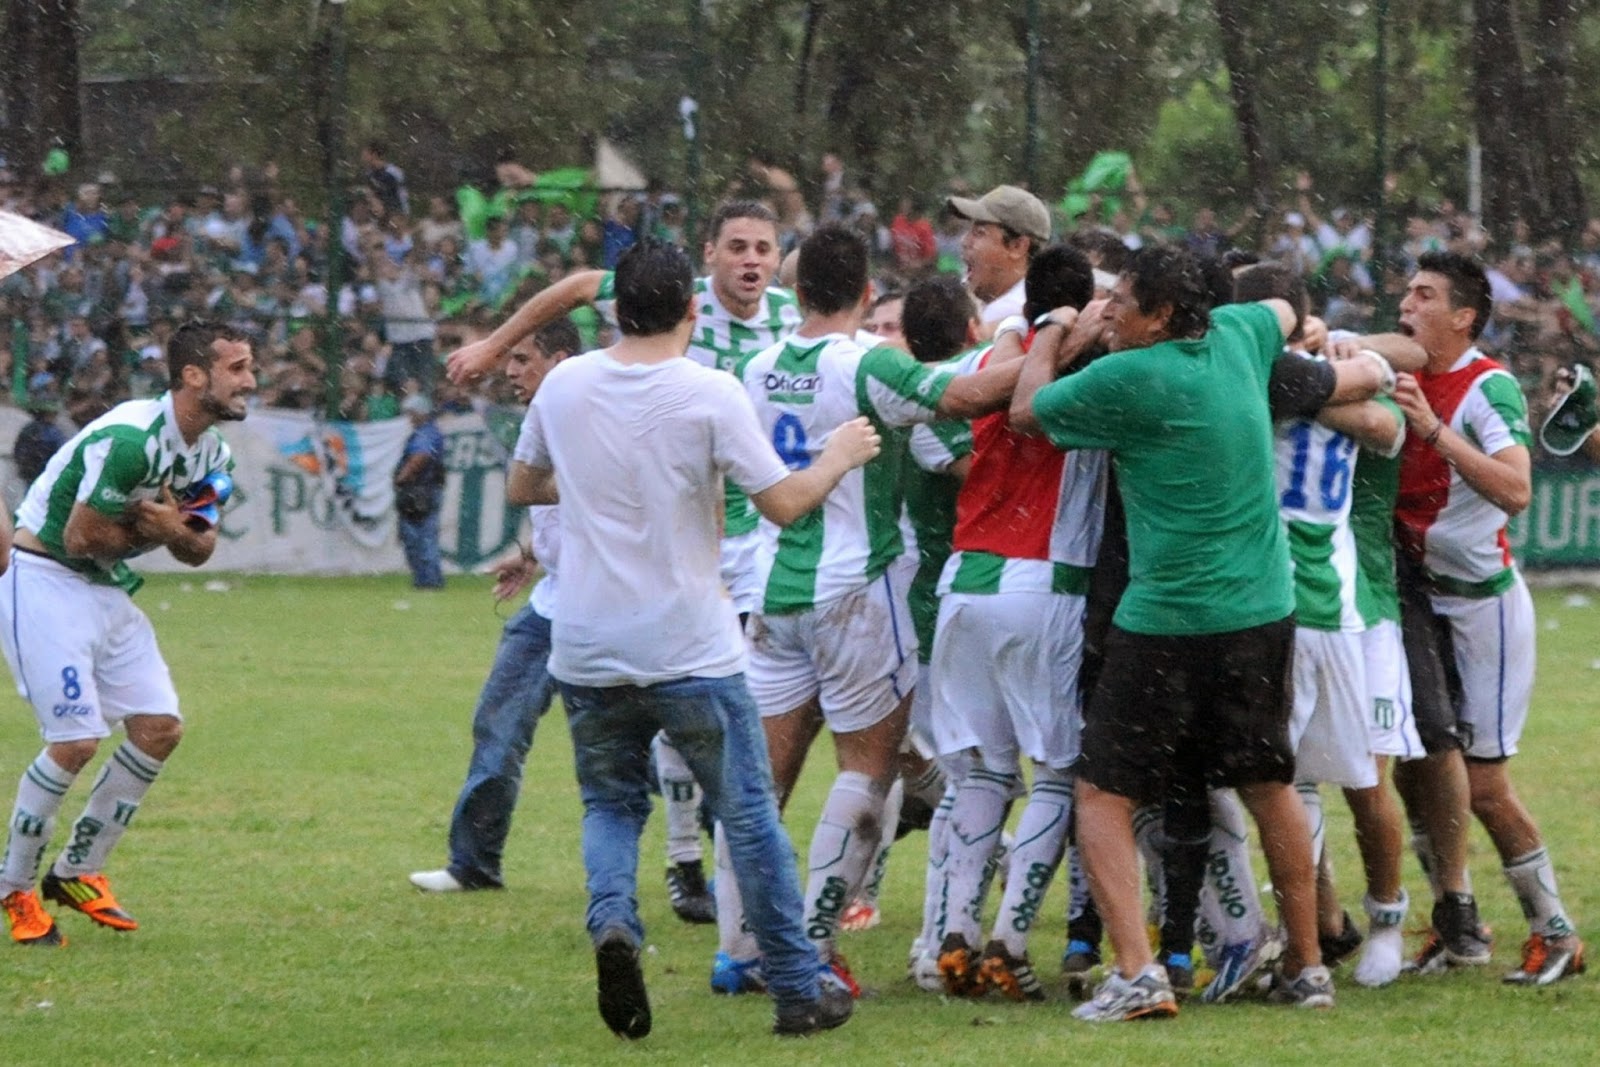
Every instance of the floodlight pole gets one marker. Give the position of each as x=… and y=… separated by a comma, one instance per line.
x=1030, y=138
x=1386, y=312
x=332, y=170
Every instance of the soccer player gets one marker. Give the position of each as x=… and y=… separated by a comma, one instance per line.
x=1196, y=664
x=645, y=639
x=81, y=653
x=518, y=690
x=832, y=636
x=1469, y=624
x=1007, y=654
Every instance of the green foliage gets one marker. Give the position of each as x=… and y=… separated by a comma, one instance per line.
x=327, y=736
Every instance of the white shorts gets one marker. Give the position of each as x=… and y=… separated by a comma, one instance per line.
x=919, y=735
x=739, y=573
x=82, y=654
x=856, y=654
x=1493, y=640
x=1328, y=728
x=1005, y=670
x=1391, y=727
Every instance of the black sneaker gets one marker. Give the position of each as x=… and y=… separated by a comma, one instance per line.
x=1078, y=965
x=830, y=1010
x=624, y=1004
x=691, y=898
x=1466, y=941
x=1180, y=973
x=1337, y=948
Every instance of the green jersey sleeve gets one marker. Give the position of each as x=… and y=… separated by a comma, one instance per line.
x=113, y=467
x=898, y=390
x=1505, y=423
x=1100, y=406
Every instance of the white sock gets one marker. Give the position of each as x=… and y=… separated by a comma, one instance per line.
x=1384, y=952
x=841, y=850
x=976, y=822
x=733, y=935
x=933, y=879
x=1148, y=827
x=1041, y=840
x=929, y=786
x=33, y=819
x=680, y=794
x=1533, y=880
x=124, y=780
x=1311, y=799
x=880, y=857
x=1229, y=902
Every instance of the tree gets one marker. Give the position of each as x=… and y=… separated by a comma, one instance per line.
x=39, y=54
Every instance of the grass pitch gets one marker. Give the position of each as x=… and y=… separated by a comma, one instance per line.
x=327, y=738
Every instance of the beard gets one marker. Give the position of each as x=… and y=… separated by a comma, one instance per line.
x=219, y=410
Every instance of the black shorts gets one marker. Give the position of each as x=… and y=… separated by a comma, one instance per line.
x=1169, y=712
x=1435, y=683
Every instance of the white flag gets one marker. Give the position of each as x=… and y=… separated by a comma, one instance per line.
x=22, y=241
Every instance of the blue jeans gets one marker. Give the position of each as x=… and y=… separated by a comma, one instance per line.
x=420, y=539
x=515, y=697
x=715, y=725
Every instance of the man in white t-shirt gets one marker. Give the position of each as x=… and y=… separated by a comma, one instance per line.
x=519, y=688
x=635, y=442
x=1009, y=226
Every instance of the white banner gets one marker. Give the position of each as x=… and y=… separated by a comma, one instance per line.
x=316, y=497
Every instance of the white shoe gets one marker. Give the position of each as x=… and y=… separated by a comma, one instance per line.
x=925, y=972
x=1384, y=955
x=436, y=881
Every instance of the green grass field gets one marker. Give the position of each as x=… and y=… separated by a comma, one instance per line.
x=327, y=737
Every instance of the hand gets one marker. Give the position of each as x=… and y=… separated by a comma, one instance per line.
x=1089, y=326
x=1302, y=182
x=1344, y=349
x=513, y=575
x=1419, y=413
x=1565, y=381
x=160, y=521
x=470, y=362
x=854, y=443
x=1313, y=334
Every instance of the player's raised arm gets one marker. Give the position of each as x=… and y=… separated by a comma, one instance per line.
x=473, y=361
x=1505, y=478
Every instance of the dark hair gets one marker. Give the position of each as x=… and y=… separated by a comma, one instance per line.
x=654, y=285
x=192, y=345
x=936, y=317
x=832, y=271
x=1113, y=253
x=729, y=210
x=1234, y=258
x=1059, y=276
x=1469, y=284
x=559, y=336
x=1219, y=279
x=1168, y=276
x=888, y=297
x=1271, y=280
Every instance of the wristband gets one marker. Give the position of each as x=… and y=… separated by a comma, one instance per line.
x=1438, y=428
x=1048, y=319
x=1012, y=324
x=1389, y=378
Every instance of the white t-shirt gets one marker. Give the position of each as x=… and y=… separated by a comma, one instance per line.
x=640, y=453
x=546, y=535
x=1010, y=302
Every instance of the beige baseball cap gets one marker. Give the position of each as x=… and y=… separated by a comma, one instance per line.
x=1016, y=209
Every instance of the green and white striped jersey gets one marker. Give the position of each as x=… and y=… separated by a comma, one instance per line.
x=931, y=510
x=1314, y=469
x=722, y=342
x=126, y=455
x=1373, y=493
x=803, y=389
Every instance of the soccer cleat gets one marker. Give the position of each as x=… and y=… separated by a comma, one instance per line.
x=860, y=915
x=30, y=923
x=90, y=894
x=1146, y=996
x=1077, y=966
x=925, y=972
x=1546, y=961
x=959, y=966
x=1180, y=973
x=1430, y=959
x=731, y=977
x=1336, y=948
x=624, y=1004
x=1466, y=942
x=1237, y=963
x=836, y=972
x=1311, y=988
x=690, y=896
x=832, y=1008
x=1012, y=975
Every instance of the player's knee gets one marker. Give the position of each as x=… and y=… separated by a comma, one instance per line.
x=73, y=756
x=157, y=736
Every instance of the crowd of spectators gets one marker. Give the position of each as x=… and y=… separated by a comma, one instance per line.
x=86, y=328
